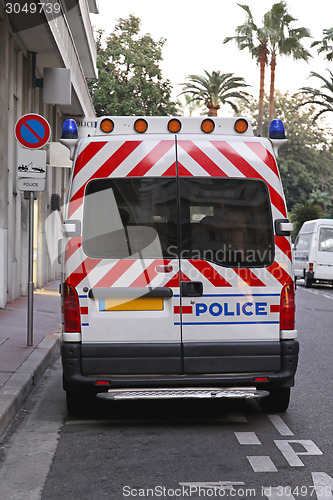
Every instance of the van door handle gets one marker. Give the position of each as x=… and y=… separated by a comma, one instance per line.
x=191, y=288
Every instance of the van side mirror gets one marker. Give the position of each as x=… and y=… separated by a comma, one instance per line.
x=283, y=227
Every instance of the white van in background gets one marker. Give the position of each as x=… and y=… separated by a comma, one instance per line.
x=313, y=252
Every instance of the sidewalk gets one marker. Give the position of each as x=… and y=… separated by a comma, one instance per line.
x=22, y=366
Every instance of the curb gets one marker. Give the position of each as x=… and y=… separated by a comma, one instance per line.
x=16, y=389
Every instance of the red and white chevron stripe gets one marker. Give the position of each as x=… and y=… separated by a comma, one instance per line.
x=238, y=157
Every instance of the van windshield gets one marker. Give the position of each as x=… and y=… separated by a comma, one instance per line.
x=222, y=220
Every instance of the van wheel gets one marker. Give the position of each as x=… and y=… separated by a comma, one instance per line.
x=78, y=403
x=277, y=401
x=308, y=282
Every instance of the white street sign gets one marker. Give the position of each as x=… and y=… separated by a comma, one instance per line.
x=31, y=164
x=30, y=184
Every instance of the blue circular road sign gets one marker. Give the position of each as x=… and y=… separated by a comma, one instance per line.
x=32, y=131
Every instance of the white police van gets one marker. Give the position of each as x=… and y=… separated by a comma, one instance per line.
x=313, y=252
x=177, y=272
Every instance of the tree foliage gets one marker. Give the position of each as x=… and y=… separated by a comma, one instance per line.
x=326, y=44
x=130, y=80
x=323, y=99
x=276, y=36
x=303, y=212
x=306, y=160
x=214, y=89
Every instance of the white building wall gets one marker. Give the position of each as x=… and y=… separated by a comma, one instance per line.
x=17, y=97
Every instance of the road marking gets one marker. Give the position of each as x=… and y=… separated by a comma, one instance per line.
x=262, y=464
x=323, y=484
x=280, y=426
x=219, y=486
x=247, y=438
x=292, y=456
x=277, y=493
x=319, y=292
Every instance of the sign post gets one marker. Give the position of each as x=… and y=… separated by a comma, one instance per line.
x=30, y=326
x=31, y=131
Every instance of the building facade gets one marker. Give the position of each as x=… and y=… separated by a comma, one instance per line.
x=31, y=48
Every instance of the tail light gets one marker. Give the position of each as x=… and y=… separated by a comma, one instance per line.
x=71, y=309
x=311, y=267
x=287, y=307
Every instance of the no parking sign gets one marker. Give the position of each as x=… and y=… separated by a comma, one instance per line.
x=32, y=131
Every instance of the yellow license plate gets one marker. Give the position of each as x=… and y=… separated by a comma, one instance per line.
x=141, y=304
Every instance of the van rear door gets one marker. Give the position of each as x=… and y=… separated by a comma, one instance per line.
x=129, y=254
x=324, y=264
x=230, y=285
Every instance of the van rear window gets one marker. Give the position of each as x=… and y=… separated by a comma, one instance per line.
x=222, y=220
x=326, y=239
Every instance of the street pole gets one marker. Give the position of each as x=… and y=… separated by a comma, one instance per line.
x=30, y=270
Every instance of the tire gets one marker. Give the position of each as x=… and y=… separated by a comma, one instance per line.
x=277, y=401
x=308, y=282
x=79, y=403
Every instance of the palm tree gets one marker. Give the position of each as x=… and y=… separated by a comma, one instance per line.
x=323, y=99
x=303, y=212
x=326, y=44
x=276, y=36
x=321, y=198
x=192, y=106
x=215, y=89
x=249, y=36
x=283, y=40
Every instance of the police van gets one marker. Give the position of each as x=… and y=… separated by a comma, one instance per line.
x=177, y=272
x=313, y=252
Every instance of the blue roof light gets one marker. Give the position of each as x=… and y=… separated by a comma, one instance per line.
x=69, y=130
x=276, y=130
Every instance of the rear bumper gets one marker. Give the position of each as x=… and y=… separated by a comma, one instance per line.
x=245, y=371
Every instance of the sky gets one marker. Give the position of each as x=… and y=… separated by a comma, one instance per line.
x=194, y=33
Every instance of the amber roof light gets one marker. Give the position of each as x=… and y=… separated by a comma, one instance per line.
x=207, y=126
x=174, y=126
x=141, y=125
x=107, y=125
x=241, y=125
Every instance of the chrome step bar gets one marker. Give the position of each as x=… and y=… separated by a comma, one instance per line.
x=183, y=393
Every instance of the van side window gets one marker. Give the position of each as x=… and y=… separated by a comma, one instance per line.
x=326, y=239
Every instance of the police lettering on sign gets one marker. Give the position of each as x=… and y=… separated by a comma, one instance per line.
x=30, y=184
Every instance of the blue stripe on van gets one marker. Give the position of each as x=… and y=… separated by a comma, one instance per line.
x=230, y=323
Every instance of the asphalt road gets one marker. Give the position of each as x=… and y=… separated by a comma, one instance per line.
x=183, y=449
